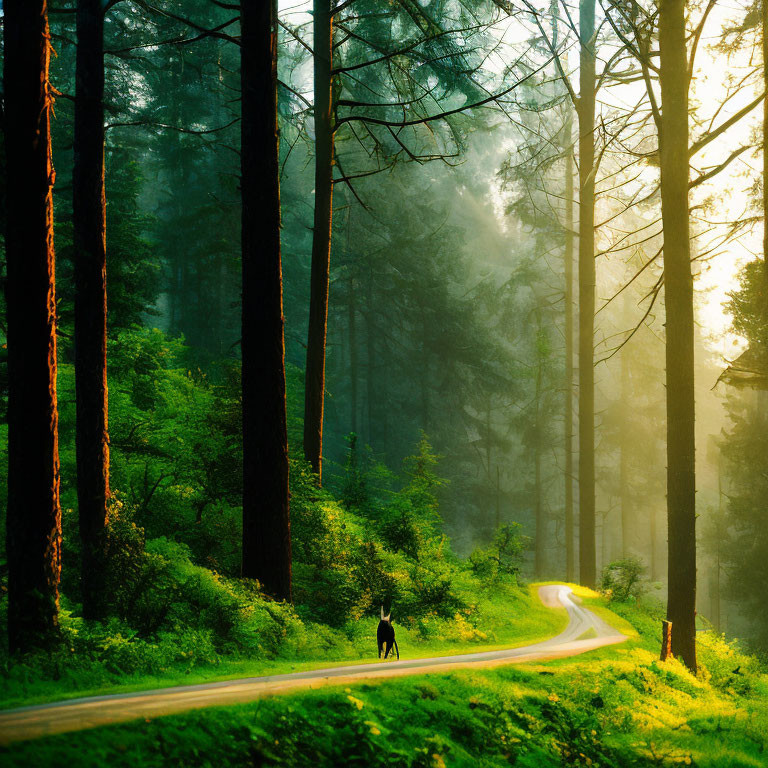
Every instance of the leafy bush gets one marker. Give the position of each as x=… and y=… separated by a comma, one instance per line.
x=622, y=579
x=176, y=445
x=350, y=559
x=503, y=560
x=174, y=538
x=726, y=665
x=411, y=518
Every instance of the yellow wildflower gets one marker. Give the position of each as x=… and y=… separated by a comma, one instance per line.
x=356, y=702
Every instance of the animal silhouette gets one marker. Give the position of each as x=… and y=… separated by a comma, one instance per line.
x=385, y=635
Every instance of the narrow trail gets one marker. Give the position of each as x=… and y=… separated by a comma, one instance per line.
x=585, y=632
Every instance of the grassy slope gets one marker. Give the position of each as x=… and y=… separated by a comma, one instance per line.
x=504, y=617
x=616, y=707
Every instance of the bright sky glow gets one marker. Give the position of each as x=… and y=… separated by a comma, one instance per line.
x=726, y=198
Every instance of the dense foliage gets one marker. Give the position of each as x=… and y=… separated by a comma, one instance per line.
x=450, y=451
x=619, y=709
x=371, y=538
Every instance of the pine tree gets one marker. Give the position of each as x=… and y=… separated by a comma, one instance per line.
x=89, y=209
x=266, y=518
x=34, y=514
x=678, y=286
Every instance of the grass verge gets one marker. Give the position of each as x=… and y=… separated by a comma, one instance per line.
x=505, y=617
x=618, y=707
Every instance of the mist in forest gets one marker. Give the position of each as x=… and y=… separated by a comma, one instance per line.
x=355, y=339
x=503, y=244
x=447, y=308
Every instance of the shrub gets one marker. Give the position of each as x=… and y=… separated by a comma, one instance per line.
x=726, y=665
x=622, y=579
x=503, y=560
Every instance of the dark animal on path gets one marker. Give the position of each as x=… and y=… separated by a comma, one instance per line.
x=385, y=635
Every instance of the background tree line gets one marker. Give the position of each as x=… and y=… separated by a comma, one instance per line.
x=507, y=265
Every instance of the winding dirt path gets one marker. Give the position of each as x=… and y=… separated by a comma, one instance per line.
x=585, y=632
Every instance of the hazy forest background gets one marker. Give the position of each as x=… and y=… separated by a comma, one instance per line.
x=513, y=350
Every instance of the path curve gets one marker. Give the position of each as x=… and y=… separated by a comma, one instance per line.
x=585, y=632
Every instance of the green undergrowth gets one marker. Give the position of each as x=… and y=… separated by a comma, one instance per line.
x=618, y=707
x=177, y=609
x=506, y=616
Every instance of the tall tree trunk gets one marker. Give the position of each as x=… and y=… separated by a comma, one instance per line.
x=716, y=598
x=603, y=540
x=540, y=515
x=181, y=295
x=570, y=564
x=488, y=454
x=266, y=517
x=586, y=113
x=314, y=392
x=568, y=311
x=352, y=319
x=33, y=524
x=716, y=615
x=625, y=448
x=424, y=384
x=498, y=498
x=370, y=348
x=175, y=294
x=678, y=286
x=91, y=307
x=353, y=372
x=764, y=24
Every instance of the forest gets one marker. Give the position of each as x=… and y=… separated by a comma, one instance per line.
x=329, y=321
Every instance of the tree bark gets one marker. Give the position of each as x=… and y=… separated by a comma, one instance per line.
x=716, y=591
x=33, y=523
x=540, y=514
x=424, y=386
x=266, y=517
x=666, y=640
x=352, y=320
x=498, y=498
x=764, y=25
x=586, y=113
x=370, y=349
x=89, y=218
x=678, y=286
x=352, y=309
x=570, y=564
x=625, y=448
x=314, y=385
